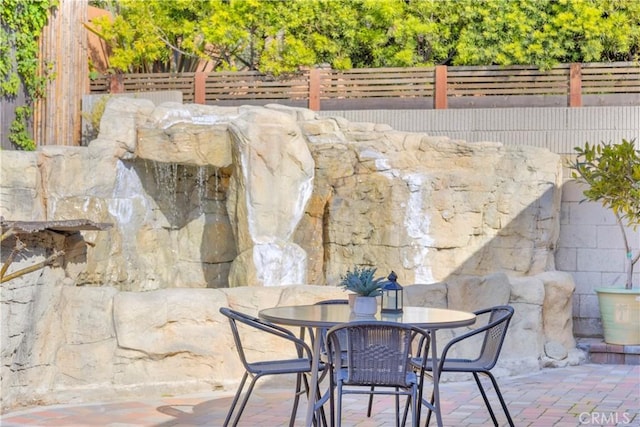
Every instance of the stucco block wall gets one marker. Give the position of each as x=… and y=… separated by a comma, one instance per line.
x=589, y=246
x=558, y=129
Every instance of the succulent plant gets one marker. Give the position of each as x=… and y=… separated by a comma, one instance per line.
x=361, y=281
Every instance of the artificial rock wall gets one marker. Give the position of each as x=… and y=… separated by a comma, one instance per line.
x=247, y=200
x=82, y=344
x=204, y=196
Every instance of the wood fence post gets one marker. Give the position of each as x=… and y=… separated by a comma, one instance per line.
x=575, y=85
x=440, y=88
x=314, y=89
x=116, y=83
x=199, y=83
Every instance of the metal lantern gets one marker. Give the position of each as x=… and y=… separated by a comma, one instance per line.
x=392, y=295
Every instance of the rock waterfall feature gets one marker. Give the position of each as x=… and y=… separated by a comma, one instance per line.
x=268, y=193
x=251, y=207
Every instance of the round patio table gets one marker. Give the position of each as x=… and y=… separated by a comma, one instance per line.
x=325, y=316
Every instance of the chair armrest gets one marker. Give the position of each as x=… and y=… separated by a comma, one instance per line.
x=301, y=346
x=236, y=317
x=480, y=330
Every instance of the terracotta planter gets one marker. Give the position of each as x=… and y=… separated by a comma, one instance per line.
x=620, y=313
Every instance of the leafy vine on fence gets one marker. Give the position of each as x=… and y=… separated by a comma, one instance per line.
x=22, y=22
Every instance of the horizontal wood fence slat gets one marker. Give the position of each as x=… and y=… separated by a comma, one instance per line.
x=150, y=82
x=507, y=86
x=252, y=86
x=99, y=84
x=370, y=83
x=597, y=79
x=516, y=81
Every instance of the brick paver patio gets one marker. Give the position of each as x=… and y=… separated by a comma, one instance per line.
x=585, y=395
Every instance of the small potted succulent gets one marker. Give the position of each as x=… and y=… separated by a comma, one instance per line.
x=612, y=174
x=361, y=283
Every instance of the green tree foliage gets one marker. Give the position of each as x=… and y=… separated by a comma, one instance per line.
x=539, y=32
x=280, y=36
x=151, y=36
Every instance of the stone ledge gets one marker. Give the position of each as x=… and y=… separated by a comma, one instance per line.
x=64, y=225
x=610, y=354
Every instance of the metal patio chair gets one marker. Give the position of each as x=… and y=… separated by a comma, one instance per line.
x=301, y=365
x=363, y=354
x=493, y=334
x=323, y=348
x=323, y=345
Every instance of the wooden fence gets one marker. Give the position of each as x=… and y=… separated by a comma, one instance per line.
x=57, y=119
x=436, y=87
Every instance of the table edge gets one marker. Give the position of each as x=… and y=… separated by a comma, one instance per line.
x=328, y=324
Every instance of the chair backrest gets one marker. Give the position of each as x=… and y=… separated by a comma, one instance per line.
x=236, y=317
x=495, y=332
x=377, y=353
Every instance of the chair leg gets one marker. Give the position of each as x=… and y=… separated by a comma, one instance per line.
x=486, y=400
x=502, y=402
x=405, y=413
x=401, y=421
x=296, y=399
x=339, y=406
x=235, y=399
x=429, y=409
x=332, y=408
x=397, y=401
x=246, y=398
x=415, y=404
x=323, y=417
x=370, y=402
x=419, y=401
x=370, y=406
